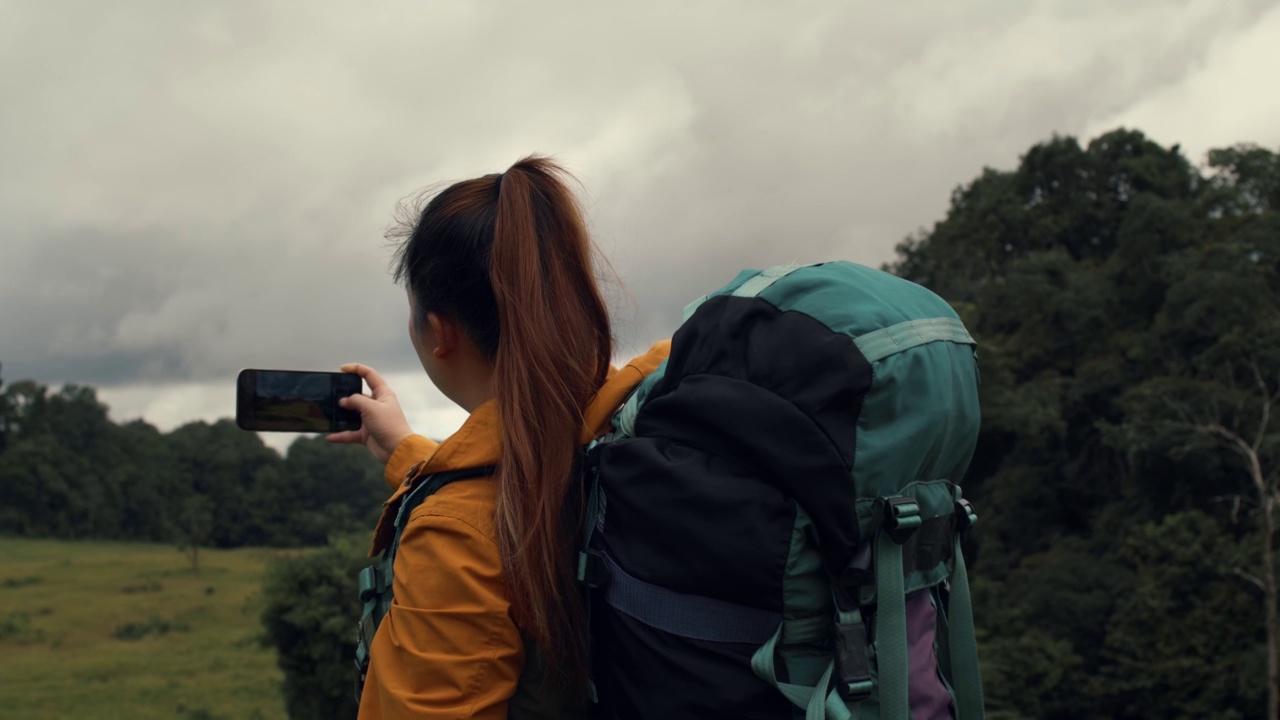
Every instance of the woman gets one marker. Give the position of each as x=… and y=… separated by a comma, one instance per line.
x=509, y=323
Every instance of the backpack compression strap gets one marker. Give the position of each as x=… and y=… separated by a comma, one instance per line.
x=752, y=287
x=962, y=644
x=899, y=518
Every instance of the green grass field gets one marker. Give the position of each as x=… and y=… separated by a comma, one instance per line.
x=114, y=630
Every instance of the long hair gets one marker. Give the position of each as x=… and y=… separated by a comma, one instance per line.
x=509, y=257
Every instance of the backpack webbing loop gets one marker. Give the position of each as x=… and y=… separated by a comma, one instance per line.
x=818, y=701
x=965, y=515
x=900, y=517
x=852, y=664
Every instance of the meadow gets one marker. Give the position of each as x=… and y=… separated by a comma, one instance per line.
x=110, y=630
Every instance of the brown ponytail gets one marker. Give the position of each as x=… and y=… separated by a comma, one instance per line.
x=510, y=258
x=553, y=353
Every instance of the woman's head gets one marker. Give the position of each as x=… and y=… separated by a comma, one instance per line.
x=502, y=287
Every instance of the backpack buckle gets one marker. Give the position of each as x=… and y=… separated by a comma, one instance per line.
x=965, y=515
x=900, y=517
x=859, y=573
x=368, y=583
x=593, y=571
x=852, y=667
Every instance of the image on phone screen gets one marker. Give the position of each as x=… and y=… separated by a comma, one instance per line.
x=296, y=401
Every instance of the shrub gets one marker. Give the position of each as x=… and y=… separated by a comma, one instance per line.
x=310, y=614
x=153, y=626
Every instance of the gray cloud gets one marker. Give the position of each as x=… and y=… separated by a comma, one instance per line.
x=188, y=190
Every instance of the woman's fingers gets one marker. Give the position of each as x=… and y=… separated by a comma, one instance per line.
x=383, y=422
x=377, y=385
x=359, y=403
x=352, y=437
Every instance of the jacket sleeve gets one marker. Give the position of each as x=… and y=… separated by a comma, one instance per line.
x=448, y=648
x=411, y=451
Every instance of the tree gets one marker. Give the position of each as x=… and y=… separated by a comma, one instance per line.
x=221, y=461
x=5, y=414
x=1230, y=408
x=195, y=526
x=333, y=489
x=1223, y=308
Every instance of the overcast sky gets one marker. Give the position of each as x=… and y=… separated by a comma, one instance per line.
x=188, y=189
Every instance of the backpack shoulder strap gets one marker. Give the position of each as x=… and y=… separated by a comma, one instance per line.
x=425, y=489
x=376, y=580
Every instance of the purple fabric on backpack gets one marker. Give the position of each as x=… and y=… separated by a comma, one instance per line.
x=930, y=699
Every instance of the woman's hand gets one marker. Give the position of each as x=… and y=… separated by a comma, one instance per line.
x=383, y=424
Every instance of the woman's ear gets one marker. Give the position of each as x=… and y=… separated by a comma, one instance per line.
x=445, y=334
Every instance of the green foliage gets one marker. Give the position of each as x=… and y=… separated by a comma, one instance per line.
x=1183, y=568
x=67, y=471
x=311, y=609
x=1123, y=301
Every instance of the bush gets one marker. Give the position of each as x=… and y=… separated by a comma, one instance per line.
x=154, y=626
x=21, y=582
x=16, y=627
x=312, y=606
x=149, y=587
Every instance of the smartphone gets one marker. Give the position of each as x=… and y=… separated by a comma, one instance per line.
x=296, y=401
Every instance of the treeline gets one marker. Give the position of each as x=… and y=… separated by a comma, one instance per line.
x=1127, y=308
x=68, y=471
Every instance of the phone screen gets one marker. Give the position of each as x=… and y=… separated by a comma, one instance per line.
x=296, y=401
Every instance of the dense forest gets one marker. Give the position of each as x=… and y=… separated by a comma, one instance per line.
x=68, y=471
x=1127, y=306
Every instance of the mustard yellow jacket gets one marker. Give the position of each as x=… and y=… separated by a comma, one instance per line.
x=449, y=648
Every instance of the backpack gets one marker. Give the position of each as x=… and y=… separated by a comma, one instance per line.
x=773, y=525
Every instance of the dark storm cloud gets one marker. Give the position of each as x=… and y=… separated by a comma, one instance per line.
x=188, y=190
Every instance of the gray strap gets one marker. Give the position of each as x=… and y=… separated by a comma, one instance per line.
x=688, y=616
x=818, y=702
x=625, y=421
x=750, y=288
x=894, y=339
x=891, y=630
x=764, y=279
x=962, y=646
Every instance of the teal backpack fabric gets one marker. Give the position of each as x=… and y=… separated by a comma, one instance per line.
x=774, y=524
